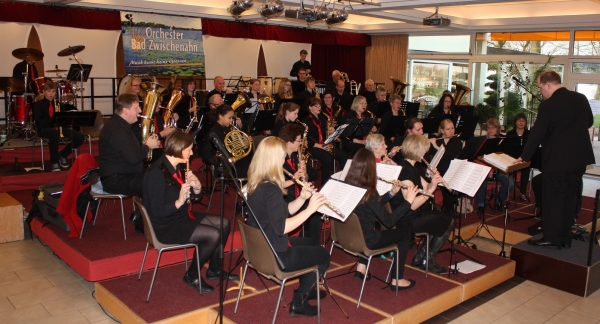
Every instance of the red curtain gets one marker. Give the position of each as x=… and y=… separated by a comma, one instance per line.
x=59, y=16
x=349, y=59
x=232, y=29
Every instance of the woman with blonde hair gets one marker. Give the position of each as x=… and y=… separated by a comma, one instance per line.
x=284, y=92
x=452, y=148
x=266, y=187
x=358, y=110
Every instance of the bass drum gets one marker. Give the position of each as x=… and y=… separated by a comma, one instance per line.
x=266, y=85
x=20, y=107
x=126, y=80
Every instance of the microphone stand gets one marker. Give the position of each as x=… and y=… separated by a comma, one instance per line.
x=229, y=165
x=533, y=96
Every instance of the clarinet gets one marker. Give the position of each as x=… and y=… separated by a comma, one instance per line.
x=403, y=186
x=187, y=169
x=313, y=191
x=430, y=168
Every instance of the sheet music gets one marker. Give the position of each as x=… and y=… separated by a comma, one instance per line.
x=438, y=156
x=388, y=172
x=342, y=174
x=503, y=161
x=335, y=134
x=465, y=176
x=343, y=196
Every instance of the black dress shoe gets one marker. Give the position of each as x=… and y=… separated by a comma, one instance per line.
x=523, y=197
x=135, y=217
x=395, y=288
x=196, y=283
x=215, y=275
x=543, y=243
x=358, y=275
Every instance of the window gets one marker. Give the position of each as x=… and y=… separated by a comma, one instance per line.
x=533, y=43
x=438, y=44
x=587, y=43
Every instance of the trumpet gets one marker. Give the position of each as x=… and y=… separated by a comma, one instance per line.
x=313, y=191
x=57, y=109
x=430, y=168
x=403, y=186
x=187, y=169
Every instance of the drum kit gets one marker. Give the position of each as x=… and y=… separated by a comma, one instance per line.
x=24, y=92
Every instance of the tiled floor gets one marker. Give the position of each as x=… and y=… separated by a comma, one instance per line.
x=37, y=287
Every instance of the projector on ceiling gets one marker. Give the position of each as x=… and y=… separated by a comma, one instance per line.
x=437, y=21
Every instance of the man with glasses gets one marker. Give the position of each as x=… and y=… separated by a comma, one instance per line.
x=369, y=91
x=299, y=85
x=561, y=128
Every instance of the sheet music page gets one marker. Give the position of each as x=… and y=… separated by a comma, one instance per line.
x=389, y=172
x=335, y=134
x=343, y=196
x=438, y=156
x=500, y=161
x=465, y=176
x=344, y=172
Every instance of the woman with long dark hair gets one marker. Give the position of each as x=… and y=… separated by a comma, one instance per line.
x=520, y=130
x=166, y=188
x=372, y=213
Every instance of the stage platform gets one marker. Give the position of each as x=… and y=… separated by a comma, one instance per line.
x=124, y=297
x=548, y=266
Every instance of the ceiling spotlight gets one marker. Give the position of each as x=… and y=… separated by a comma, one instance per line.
x=337, y=16
x=238, y=7
x=321, y=13
x=272, y=9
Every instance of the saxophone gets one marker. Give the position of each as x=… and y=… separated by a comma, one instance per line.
x=327, y=133
x=303, y=154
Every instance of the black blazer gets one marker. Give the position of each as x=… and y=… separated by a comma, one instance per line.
x=562, y=130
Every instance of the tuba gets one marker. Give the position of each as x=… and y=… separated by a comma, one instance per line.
x=237, y=144
x=241, y=100
x=176, y=96
x=461, y=91
x=399, y=86
x=150, y=101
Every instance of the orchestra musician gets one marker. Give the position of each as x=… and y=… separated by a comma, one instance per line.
x=253, y=95
x=372, y=214
x=414, y=126
x=423, y=218
x=335, y=77
x=266, y=187
x=22, y=68
x=287, y=114
x=395, y=110
x=358, y=110
x=452, y=146
x=444, y=107
x=493, y=131
x=317, y=134
x=188, y=105
x=381, y=105
x=330, y=108
x=291, y=134
x=43, y=115
x=369, y=91
x=167, y=188
x=301, y=64
x=227, y=95
x=284, y=92
x=342, y=97
x=222, y=117
x=121, y=153
x=520, y=130
x=311, y=90
x=376, y=144
x=299, y=85
x=134, y=86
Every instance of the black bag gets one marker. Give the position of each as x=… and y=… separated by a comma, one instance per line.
x=83, y=199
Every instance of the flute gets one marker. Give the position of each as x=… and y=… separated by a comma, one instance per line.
x=187, y=169
x=430, y=168
x=313, y=191
x=403, y=186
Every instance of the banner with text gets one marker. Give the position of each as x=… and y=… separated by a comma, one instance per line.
x=162, y=45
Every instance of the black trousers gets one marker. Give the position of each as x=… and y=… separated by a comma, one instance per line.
x=306, y=253
x=130, y=184
x=560, y=194
x=53, y=136
x=401, y=236
x=327, y=160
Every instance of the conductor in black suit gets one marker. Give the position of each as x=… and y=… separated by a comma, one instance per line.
x=562, y=130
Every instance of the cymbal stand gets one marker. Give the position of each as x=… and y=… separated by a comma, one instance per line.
x=80, y=79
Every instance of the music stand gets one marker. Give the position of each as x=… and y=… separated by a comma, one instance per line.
x=410, y=108
x=79, y=72
x=75, y=118
x=431, y=124
x=393, y=127
x=263, y=120
x=358, y=127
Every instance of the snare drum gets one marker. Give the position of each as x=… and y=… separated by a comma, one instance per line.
x=20, y=106
x=65, y=91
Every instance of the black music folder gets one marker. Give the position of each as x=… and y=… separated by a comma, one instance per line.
x=75, y=118
x=265, y=119
x=410, y=108
x=359, y=127
x=431, y=124
x=393, y=127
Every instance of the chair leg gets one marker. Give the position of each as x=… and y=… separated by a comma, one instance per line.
x=98, y=209
x=154, y=275
x=90, y=142
x=123, y=217
x=42, y=147
x=143, y=261
x=84, y=219
x=319, y=297
x=427, y=260
x=279, y=299
x=364, y=281
x=241, y=288
x=197, y=267
x=398, y=264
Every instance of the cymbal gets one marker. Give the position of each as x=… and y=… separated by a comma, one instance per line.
x=12, y=84
x=57, y=70
x=28, y=54
x=71, y=50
